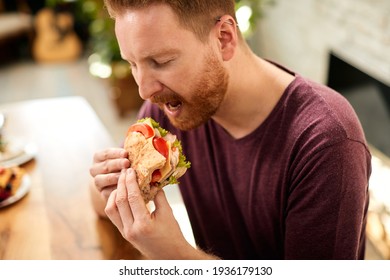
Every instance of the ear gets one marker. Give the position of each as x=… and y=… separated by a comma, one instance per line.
x=227, y=29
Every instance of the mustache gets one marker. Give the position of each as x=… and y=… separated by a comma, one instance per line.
x=166, y=97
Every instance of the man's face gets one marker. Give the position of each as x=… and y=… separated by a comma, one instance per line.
x=171, y=66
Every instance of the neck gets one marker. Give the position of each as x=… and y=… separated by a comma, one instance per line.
x=255, y=88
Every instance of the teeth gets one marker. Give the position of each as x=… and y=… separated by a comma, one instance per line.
x=173, y=106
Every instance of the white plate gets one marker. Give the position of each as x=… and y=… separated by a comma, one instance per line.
x=22, y=191
x=27, y=153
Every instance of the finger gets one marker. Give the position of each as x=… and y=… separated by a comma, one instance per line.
x=134, y=197
x=161, y=202
x=109, y=166
x=112, y=211
x=154, y=191
x=106, y=192
x=122, y=202
x=110, y=153
x=106, y=180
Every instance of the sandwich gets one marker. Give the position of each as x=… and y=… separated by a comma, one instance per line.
x=156, y=155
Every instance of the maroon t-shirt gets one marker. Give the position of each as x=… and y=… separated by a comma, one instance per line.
x=295, y=188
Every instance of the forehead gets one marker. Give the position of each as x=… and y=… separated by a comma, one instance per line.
x=143, y=32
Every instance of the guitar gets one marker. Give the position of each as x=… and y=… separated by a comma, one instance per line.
x=55, y=39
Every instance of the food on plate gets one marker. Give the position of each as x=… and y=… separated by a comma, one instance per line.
x=156, y=156
x=10, y=181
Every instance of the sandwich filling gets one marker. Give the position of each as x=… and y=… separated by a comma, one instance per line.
x=156, y=156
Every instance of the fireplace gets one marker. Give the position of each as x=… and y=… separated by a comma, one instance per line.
x=369, y=96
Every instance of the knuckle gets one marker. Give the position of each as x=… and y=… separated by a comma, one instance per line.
x=98, y=181
x=105, y=168
x=129, y=234
x=110, y=210
x=92, y=171
x=113, y=165
x=95, y=158
x=137, y=232
x=100, y=156
x=106, y=192
x=109, y=179
x=144, y=229
x=113, y=179
x=101, y=181
x=104, y=154
x=120, y=200
x=99, y=168
x=132, y=197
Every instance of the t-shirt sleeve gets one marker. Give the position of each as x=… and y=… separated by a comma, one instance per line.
x=325, y=210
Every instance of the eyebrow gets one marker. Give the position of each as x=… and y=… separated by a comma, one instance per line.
x=157, y=53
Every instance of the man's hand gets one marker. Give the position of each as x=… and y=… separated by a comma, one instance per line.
x=106, y=168
x=156, y=235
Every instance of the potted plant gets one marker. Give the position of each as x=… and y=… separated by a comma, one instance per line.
x=248, y=13
x=106, y=62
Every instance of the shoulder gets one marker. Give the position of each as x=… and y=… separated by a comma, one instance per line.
x=320, y=110
x=320, y=125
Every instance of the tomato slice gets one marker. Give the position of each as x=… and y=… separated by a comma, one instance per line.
x=156, y=175
x=161, y=146
x=143, y=128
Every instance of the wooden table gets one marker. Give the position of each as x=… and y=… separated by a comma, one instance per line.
x=56, y=219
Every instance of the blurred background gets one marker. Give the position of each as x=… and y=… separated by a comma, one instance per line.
x=55, y=48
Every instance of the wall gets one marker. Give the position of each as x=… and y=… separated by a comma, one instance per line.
x=301, y=33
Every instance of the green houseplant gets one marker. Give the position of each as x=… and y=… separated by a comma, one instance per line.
x=105, y=61
x=252, y=11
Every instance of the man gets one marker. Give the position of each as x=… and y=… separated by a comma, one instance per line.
x=280, y=165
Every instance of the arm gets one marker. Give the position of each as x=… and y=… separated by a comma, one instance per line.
x=327, y=205
x=156, y=235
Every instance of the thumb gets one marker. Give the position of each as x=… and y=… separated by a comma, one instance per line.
x=161, y=202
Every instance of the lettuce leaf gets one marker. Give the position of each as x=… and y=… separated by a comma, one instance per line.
x=183, y=162
x=156, y=125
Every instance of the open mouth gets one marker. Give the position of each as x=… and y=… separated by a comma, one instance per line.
x=173, y=105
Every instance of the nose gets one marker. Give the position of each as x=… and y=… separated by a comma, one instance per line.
x=148, y=84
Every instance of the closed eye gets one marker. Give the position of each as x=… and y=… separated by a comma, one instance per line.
x=161, y=63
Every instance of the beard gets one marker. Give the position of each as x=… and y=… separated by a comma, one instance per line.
x=208, y=92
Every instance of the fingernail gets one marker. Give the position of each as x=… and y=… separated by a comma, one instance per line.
x=129, y=171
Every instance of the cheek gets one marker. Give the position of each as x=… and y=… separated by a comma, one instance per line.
x=180, y=81
x=184, y=78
